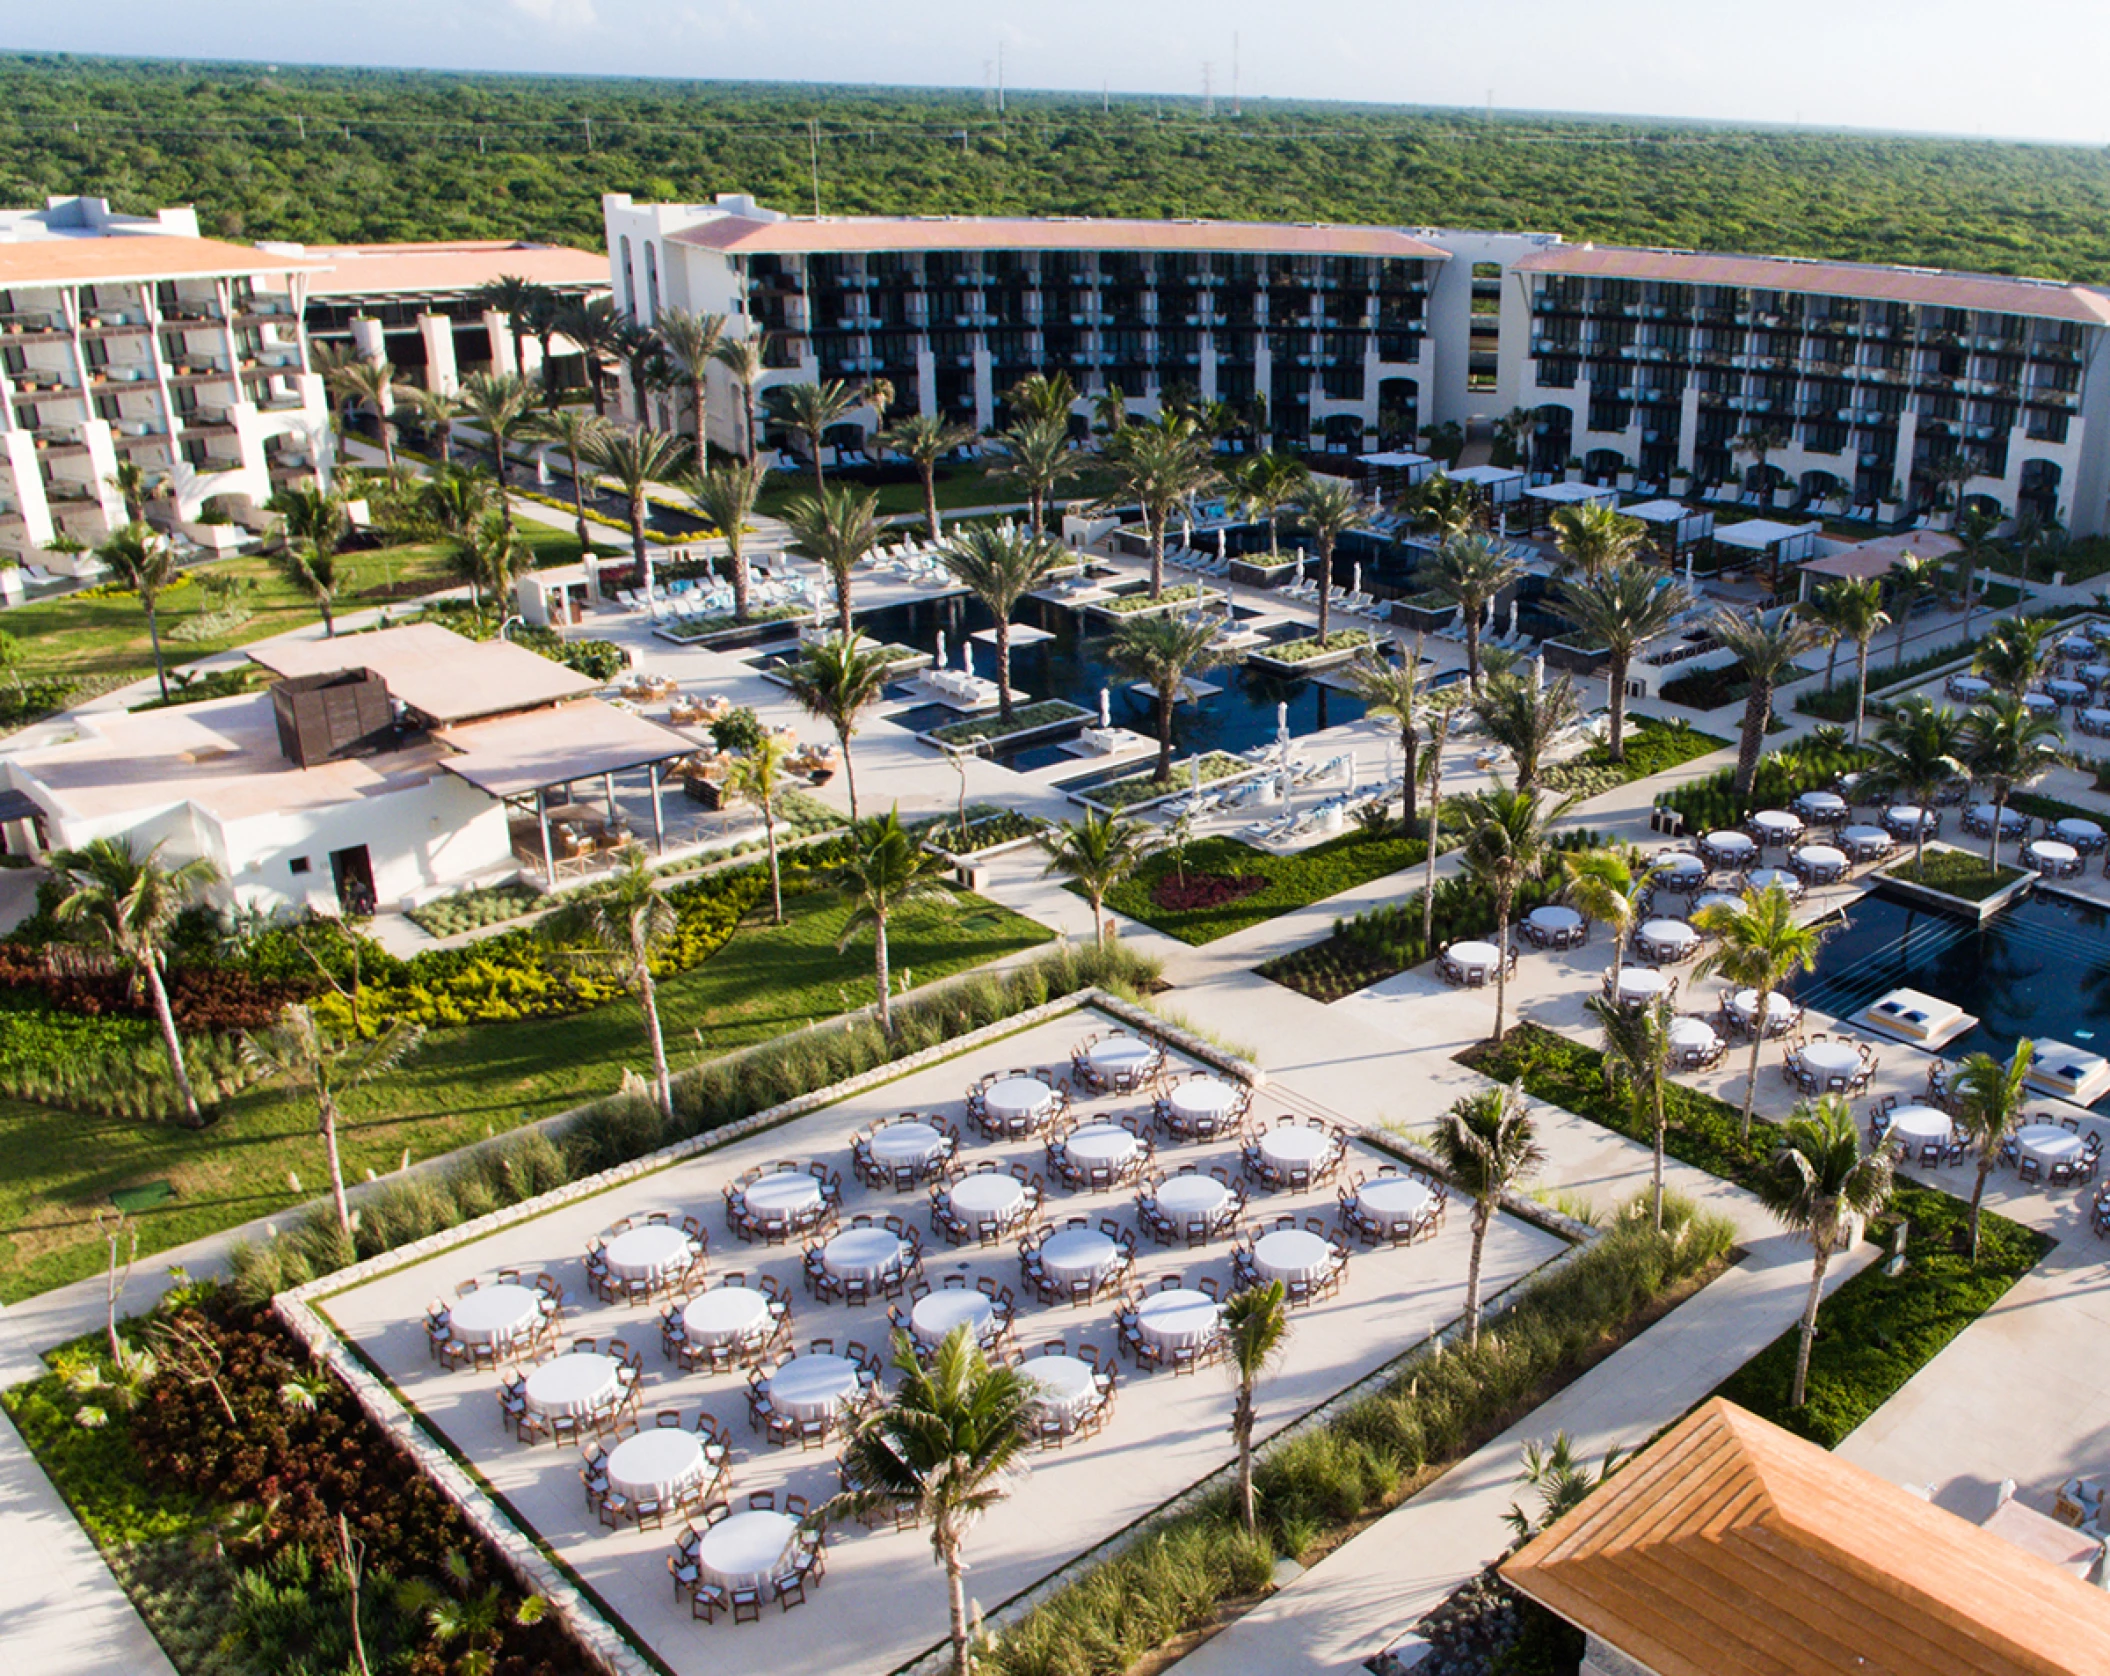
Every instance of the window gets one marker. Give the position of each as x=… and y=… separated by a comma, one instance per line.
x=629, y=281
x=301, y=864
x=651, y=282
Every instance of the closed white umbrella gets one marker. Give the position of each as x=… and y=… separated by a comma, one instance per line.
x=1106, y=708
x=1512, y=619
x=1688, y=569
x=941, y=649
x=1538, y=671
x=1355, y=583
x=1219, y=544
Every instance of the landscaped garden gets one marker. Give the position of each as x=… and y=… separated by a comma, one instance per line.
x=1027, y=718
x=1651, y=747
x=1960, y=873
x=986, y=828
x=1713, y=689
x=1813, y=764
x=1338, y=643
x=1145, y=786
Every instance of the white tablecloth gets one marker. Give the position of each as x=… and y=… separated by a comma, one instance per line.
x=747, y=1550
x=1067, y=1388
x=2078, y=831
x=1640, y=983
x=1178, y=1319
x=725, y=1314
x=1777, y=824
x=1391, y=1200
x=786, y=1193
x=1903, y=817
x=658, y=1463
x=1475, y=956
x=905, y=1143
x=1821, y=855
x=2066, y=690
x=936, y=1316
x=2039, y=704
x=1203, y=1097
x=1186, y=1196
x=2048, y=1143
x=1671, y=933
x=1919, y=1124
x=1076, y=1254
x=1969, y=686
x=578, y=1383
x=1102, y=1143
x=1716, y=899
x=1734, y=845
x=2011, y=820
x=2051, y=850
x=1780, y=1011
x=1766, y=878
x=862, y=1254
x=1291, y=1254
x=1287, y=1146
x=1693, y=1033
x=1825, y=803
x=648, y=1253
x=1831, y=1059
x=813, y=1387
x=987, y=1196
x=1120, y=1053
x=1016, y=1097
x=1554, y=917
x=1858, y=835
x=495, y=1314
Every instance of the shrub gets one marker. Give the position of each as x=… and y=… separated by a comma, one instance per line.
x=1782, y=776
x=1651, y=748
x=473, y=909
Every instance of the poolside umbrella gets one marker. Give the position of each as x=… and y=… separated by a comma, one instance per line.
x=1219, y=544
x=941, y=649
x=1282, y=726
x=1186, y=533
x=966, y=655
x=542, y=468
x=1538, y=671
x=1688, y=568
x=1106, y=708
x=1512, y=619
x=1197, y=773
x=1355, y=579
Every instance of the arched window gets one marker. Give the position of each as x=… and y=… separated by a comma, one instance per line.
x=651, y=282
x=629, y=281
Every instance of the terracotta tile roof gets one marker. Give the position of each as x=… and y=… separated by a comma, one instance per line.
x=2045, y=299
x=362, y=270
x=804, y=235
x=1730, y=1547
x=1880, y=556
x=136, y=257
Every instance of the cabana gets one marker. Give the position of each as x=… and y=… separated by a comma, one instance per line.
x=1547, y=498
x=1494, y=486
x=1675, y=527
x=1877, y=558
x=1776, y=544
x=1391, y=472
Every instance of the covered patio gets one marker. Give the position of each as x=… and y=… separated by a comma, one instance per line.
x=1548, y=498
x=1770, y=544
x=1675, y=528
x=1877, y=558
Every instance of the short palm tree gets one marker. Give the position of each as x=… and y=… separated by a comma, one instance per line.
x=1000, y=564
x=1592, y=537
x=1823, y=609
x=1256, y=1328
x=1038, y=459
x=924, y=439
x=1163, y=650
x=1157, y=465
x=1990, y=1099
x=1917, y=749
x=1096, y=852
x=1487, y=1145
x=1856, y=613
x=145, y=563
x=885, y=872
x=1767, y=652
x=1440, y=713
x=1039, y=397
x=1759, y=945
x=316, y=572
x=837, y=681
x=621, y=929
x=125, y=902
x=1327, y=510
x=637, y=459
x=1977, y=545
x=1563, y=1481
x=1621, y=606
x=746, y=358
x=759, y=775
x=436, y=411
x=1265, y=486
x=301, y=1053
x=2008, y=747
x=1637, y=1056
x=596, y=328
x=372, y=385
x=644, y=357
x=453, y=501
x=1392, y=692
x=1508, y=838
x=1954, y=473
x=944, y=1447
x=839, y=527
x=727, y=496
x=692, y=343
x=812, y=410
x=1820, y=1186
x=515, y=298
x=1525, y=718
x=502, y=404
x=1601, y=886
x=2014, y=652
x=1473, y=570
x=136, y=486
x=578, y=433
x=1909, y=581
x=1110, y=410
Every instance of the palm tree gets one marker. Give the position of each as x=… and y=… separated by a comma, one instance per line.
x=1326, y=511
x=925, y=439
x=1768, y=652
x=372, y=384
x=515, y=298
x=312, y=569
x=1759, y=945
x=2008, y=747
x=1039, y=398
x=885, y=872
x=1600, y=886
x=1096, y=852
x=545, y=319
x=1264, y=486
x=644, y=358
x=1820, y=1186
x=1157, y=464
x=1256, y=1328
x=1525, y=718
x=145, y=563
x=1637, y=1053
x=1473, y=570
x=1592, y=537
x=597, y=329
x=747, y=360
x=945, y=1446
x=1392, y=692
x=308, y=514
x=454, y=501
x=1439, y=711
x=637, y=459
x=1955, y=473
x=727, y=496
x=692, y=342
x=135, y=487
x=1857, y=614
x=1110, y=409
x=127, y=903
x=1163, y=650
x=840, y=528
x=1487, y=1145
x=317, y=1059
x=1000, y=564
x=578, y=433
x=1508, y=837
x=812, y=410
x=837, y=681
x=436, y=411
x=1511, y=430
x=1758, y=444
x=623, y=926
x=1909, y=580
x=490, y=556
x=1445, y=505
x=1989, y=1102
x=501, y=404
x=2014, y=652
x=759, y=775
x=1621, y=606
x=1977, y=545
x=1039, y=460
x=1918, y=749
x=1823, y=609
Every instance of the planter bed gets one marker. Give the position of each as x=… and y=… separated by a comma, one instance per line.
x=990, y=831
x=1048, y=716
x=1956, y=879
x=1301, y=657
x=1124, y=606
x=1652, y=747
x=703, y=630
x=1140, y=791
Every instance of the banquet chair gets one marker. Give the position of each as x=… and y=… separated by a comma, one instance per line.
x=747, y=1606
x=707, y=1601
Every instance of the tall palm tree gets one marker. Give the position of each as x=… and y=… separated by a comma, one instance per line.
x=637, y=459
x=837, y=681
x=1473, y=570
x=126, y=902
x=314, y=570
x=1759, y=945
x=1443, y=504
x=2008, y=747
x=1039, y=460
x=885, y=872
x=644, y=358
x=1256, y=1329
x=1954, y=473
x=1601, y=886
x=1265, y=486
x=1096, y=852
x=1637, y=1053
x=945, y=1445
x=1512, y=431
x=597, y=329
x=1392, y=692
x=839, y=527
x=1990, y=1099
x=1820, y=1186
x=1164, y=650
x=372, y=385
x=515, y=298
x=2014, y=652
x=309, y=514
x=145, y=563
x=746, y=358
x=1621, y=606
x=621, y=929
x=812, y=410
x=1508, y=838
x=1918, y=749
x=1157, y=464
x=1592, y=537
x=1977, y=545
x=1525, y=718
x=490, y=556
x=1326, y=511
x=1000, y=564
x=320, y=1060
x=727, y=496
x=578, y=433
x=453, y=501
x=501, y=404
x=925, y=439
x=1487, y=1145
x=1823, y=609
x=1909, y=581
x=1857, y=614
x=692, y=342
x=545, y=319
x=1768, y=652
x=1040, y=397
x=1439, y=712
x=436, y=411
x=759, y=775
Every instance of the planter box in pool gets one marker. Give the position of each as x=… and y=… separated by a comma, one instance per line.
x=1348, y=653
x=1897, y=883
x=1260, y=573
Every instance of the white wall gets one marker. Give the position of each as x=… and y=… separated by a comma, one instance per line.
x=1445, y=391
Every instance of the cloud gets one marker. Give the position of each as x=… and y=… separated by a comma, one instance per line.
x=560, y=14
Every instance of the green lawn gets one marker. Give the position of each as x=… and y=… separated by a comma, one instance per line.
x=1292, y=881
x=461, y=1086
x=960, y=485
x=1650, y=748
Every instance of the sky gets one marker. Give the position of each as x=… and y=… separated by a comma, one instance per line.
x=2027, y=69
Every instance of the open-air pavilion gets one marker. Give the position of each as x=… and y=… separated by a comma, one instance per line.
x=1675, y=528
x=1548, y=498
x=1771, y=544
x=1389, y=473
x=1876, y=558
x=1495, y=487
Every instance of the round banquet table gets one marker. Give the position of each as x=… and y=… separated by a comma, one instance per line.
x=1067, y=1388
x=2076, y=831
x=746, y=1550
x=813, y=1387
x=1189, y=1196
x=864, y=1253
x=1694, y=1033
x=1730, y=845
x=2077, y=646
x=1101, y=1144
x=1202, y=1097
x=1120, y=1053
x=1018, y=1097
x=1969, y=686
x=1554, y=917
x=1639, y=983
x=1291, y=1254
x=2051, y=851
x=1821, y=855
x=1864, y=837
x=1179, y=1319
x=1076, y=1254
x=936, y=1316
x=905, y=1143
x=577, y=1383
x=1716, y=899
x=1287, y=1147
x=660, y=1463
x=1475, y=956
x=1391, y=1200
x=1780, y=1011
x=725, y=1314
x=2048, y=1143
x=648, y=1253
x=1919, y=1125
x=1832, y=1059
x=1671, y=865
x=786, y=1193
x=987, y=1197
x=495, y=1314
x=2095, y=674
x=1901, y=819
x=2039, y=704
x=2067, y=692
x=2011, y=820
x=1777, y=825
x=1765, y=878
x=1670, y=934
x=1821, y=805
x=2096, y=717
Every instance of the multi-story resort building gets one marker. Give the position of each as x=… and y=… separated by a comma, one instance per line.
x=133, y=338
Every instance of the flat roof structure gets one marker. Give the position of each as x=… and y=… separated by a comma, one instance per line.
x=136, y=258
x=1574, y=494
x=1757, y=535
x=434, y=671
x=1879, y=557
x=448, y=268
x=742, y=235
x=512, y=756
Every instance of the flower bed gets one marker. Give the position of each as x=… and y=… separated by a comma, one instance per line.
x=1201, y=891
x=1030, y=718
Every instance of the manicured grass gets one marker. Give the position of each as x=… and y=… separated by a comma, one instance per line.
x=1293, y=881
x=1958, y=873
x=1651, y=747
x=1711, y=689
x=1142, y=787
x=902, y=491
x=461, y=1085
